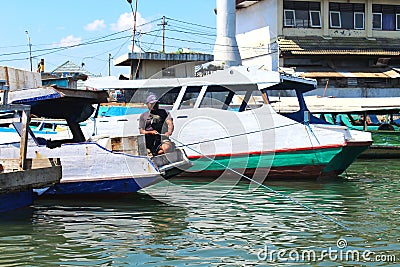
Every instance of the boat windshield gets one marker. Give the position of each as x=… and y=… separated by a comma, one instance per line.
x=207, y=96
x=234, y=99
x=190, y=97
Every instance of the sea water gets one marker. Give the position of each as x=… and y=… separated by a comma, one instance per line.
x=352, y=220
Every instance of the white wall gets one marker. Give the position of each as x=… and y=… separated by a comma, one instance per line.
x=256, y=34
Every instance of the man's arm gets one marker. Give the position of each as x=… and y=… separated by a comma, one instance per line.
x=170, y=125
x=143, y=131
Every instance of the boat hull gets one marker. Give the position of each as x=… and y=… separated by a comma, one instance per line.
x=386, y=145
x=381, y=151
x=89, y=168
x=15, y=200
x=302, y=163
x=101, y=187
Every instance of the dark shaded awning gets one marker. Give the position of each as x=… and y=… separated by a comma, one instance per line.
x=59, y=103
x=289, y=82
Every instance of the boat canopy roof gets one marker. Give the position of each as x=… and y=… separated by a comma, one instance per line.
x=59, y=103
x=231, y=77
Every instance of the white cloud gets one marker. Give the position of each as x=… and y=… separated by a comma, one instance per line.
x=125, y=22
x=70, y=40
x=95, y=25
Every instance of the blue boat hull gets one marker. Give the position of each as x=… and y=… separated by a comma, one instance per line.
x=118, y=186
x=16, y=200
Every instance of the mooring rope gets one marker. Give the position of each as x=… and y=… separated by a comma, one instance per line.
x=266, y=187
x=307, y=126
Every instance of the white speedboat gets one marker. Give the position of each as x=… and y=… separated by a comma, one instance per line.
x=225, y=120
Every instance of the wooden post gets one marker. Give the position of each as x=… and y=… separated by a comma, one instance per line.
x=5, y=89
x=24, y=138
x=265, y=97
x=365, y=121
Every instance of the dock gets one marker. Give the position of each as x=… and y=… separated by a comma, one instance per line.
x=19, y=175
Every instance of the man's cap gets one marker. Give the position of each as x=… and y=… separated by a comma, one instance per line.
x=152, y=99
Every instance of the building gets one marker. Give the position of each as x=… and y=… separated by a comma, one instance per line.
x=352, y=47
x=160, y=65
x=68, y=75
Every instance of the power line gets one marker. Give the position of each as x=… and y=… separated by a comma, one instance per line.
x=197, y=30
x=197, y=42
x=199, y=34
x=194, y=24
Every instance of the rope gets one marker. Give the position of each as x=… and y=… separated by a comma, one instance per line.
x=268, y=188
x=307, y=126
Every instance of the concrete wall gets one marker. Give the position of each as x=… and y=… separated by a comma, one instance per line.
x=256, y=33
x=153, y=69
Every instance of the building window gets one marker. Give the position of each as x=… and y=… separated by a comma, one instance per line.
x=389, y=17
x=315, y=19
x=377, y=21
x=302, y=14
x=359, y=20
x=346, y=16
x=335, y=19
x=289, y=18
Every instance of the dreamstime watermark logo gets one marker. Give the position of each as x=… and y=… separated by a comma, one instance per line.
x=340, y=253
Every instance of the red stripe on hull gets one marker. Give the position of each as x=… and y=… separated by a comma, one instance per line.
x=286, y=172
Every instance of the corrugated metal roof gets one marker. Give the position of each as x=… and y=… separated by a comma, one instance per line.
x=347, y=52
x=70, y=67
x=311, y=45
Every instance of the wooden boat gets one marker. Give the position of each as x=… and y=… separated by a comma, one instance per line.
x=249, y=137
x=379, y=116
x=101, y=164
x=20, y=175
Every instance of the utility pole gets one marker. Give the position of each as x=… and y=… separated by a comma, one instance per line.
x=134, y=32
x=30, y=48
x=163, y=24
x=109, y=64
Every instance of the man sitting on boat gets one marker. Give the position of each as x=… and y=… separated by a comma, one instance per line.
x=156, y=124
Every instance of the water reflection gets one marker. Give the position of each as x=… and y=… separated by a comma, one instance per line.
x=193, y=224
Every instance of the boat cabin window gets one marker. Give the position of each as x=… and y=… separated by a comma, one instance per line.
x=217, y=97
x=283, y=101
x=234, y=99
x=190, y=97
x=167, y=99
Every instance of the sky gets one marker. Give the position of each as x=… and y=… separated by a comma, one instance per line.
x=87, y=31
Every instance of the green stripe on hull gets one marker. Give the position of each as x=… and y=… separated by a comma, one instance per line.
x=344, y=159
x=279, y=159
